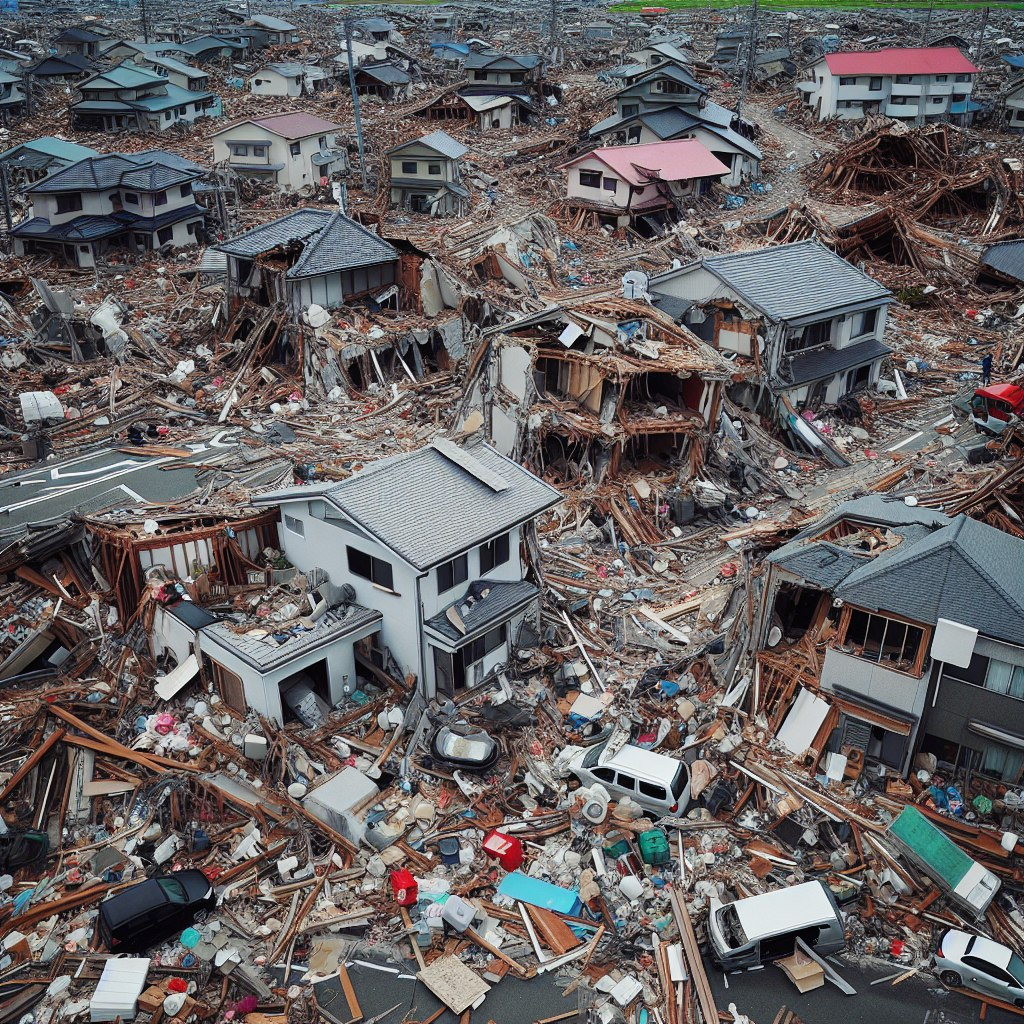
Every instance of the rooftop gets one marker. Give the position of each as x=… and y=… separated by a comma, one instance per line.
x=331, y=242
x=439, y=141
x=149, y=171
x=485, y=603
x=453, y=499
x=901, y=60
x=297, y=125
x=678, y=160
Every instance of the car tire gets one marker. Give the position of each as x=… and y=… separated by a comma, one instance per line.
x=952, y=979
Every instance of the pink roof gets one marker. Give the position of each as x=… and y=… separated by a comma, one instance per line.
x=670, y=161
x=294, y=125
x=910, y=60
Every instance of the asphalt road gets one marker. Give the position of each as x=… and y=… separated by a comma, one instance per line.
x=100, y=479
x=918, y=1000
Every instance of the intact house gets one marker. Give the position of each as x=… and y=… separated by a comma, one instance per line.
x=264, y=29
x=586, y=389
x=811, y=323
x=135, y=201
x=505, y=69
x=426, y=175
x=641, y=62
x=36, y=159
x=180, y=74
x=287, y=79
x=434, y=541
x=310, y=256
x=915, y=84
x=132, y=97
x=503, y=90
x=668, y=103
x=918, y=624
x=294, y=149
x=645, y=187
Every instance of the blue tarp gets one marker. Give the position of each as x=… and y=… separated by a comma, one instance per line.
x=1015, y=60
x=538, y=893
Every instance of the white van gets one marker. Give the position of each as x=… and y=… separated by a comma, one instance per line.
x=763, y=928
x=655, y=781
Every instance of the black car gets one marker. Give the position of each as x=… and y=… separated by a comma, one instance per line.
x=154, y=910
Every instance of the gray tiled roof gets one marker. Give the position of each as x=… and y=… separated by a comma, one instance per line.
x=501, y=601
x=389, y=74
x=440, y=141
x=879, y=510
x=789, y=282
x=331, y=242
x=827, y=361
x=820, y=563
x=266, y=654
x=1006, y=258
x=426, y=508
x=968, y=572
x=502, y=61
x=672, y=71
x=151, y=170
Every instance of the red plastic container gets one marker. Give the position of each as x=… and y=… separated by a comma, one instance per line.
x=404, y=886
x=507, y=849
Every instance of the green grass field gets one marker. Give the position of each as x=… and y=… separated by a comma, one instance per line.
x=823, y=5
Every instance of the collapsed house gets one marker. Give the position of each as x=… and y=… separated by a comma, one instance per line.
x=919, y=630
x=810, y=324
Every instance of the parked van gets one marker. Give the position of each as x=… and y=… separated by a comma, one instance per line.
x=763, y=928
x=657, y=782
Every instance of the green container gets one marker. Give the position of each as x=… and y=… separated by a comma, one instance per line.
x=654, y=847
x=617, y=849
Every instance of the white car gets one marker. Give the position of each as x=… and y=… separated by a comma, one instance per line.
x=972, y=961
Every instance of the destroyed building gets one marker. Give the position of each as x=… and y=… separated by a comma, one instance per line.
x=810, y=324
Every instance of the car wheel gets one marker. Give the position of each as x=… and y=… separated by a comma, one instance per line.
x=952, y=979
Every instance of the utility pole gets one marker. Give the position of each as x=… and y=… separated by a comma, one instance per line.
x=144, y=14
x=355, y=99
x=555, y=33
x=981, y=33
x=748, y=64
x=927, y=22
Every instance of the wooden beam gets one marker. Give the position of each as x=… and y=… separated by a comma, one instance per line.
x=694, y=963
x=31, y=761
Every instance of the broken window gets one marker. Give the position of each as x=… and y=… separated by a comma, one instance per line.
x=452, y=573
x=813, y=336
x=590, y=179
x=889, y=642
x=865, y=323
x=493, y=553
x=165, y=235
x=376, y=570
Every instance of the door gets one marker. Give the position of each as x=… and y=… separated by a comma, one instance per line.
x=987, y=978
x=444, y=675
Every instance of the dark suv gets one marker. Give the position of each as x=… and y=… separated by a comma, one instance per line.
x=154, y=910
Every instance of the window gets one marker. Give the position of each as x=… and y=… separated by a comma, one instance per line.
x=847, y=80
x=866, y=323
x=935, y=99
x=433, y=168
x=904, y=79
x=131, y=199
x=610, y=184
x=490, y=641
x=813, y=336
x=1002, y=763
x=942, y=78
x=494, y=552
x=452, y=573
x=182, y=111
x=164, y=235
x=630, y=109
x=649, y=789
x=626, y=782
x=888, y=642
x=160, y=199
x=173, y=890
x=590, y=179
x=1006, y=679
x=962, y=78
x=259, y=150
x=69, y=203
x=875, y=84
x=322, y=142
x=986, y=968
x=409, y=166
x=186, y=189
x=295, y=148
x=237, y=150
x=603, y=774
x=293, y=525
x=167, y=115
x=376, y=570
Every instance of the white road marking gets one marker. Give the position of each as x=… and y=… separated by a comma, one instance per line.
x=905, y=441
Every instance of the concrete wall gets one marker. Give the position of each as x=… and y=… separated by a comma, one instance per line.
x=267, y=82
x=895, y=690
x=924, y=96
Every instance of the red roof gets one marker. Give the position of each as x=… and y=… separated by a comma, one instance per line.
x=679, y=160
x=1004, y=392
x=898, y=60
x=290, y=125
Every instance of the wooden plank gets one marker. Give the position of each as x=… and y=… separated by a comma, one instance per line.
x=557, y=935
x=350, y=993
x=32, y=760
x=694, y=963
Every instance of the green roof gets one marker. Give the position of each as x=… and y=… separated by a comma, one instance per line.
x=932, y=846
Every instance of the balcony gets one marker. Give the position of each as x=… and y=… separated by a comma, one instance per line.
x=859, y=92
x=901, y=109
x=941, y=88
x=906, y=89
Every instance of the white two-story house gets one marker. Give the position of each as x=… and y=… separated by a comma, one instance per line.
x=293, y=149
x=432, y=543
x=813, y=322
x=135, y=201
x=915, y=84
x=426, y=175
